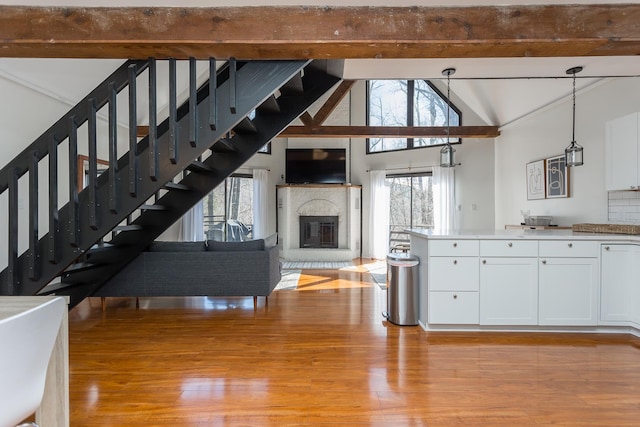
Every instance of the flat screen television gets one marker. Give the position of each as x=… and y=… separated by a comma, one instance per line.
x=316, y=166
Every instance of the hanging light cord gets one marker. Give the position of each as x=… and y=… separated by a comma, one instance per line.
x=573, y=135
x=449, y=106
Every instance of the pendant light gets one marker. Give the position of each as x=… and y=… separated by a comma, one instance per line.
x=573, y=153
x=446, y=153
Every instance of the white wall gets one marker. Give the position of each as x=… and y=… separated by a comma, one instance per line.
x=547, y=133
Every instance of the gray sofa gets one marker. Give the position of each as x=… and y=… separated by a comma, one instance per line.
x=209, y=268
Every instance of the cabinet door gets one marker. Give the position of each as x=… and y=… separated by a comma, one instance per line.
x=621, y=153
x=616, y=277
x=509, y=291
x=459, y=308
x=634, y=284
x=453, y=273
x=568, y=291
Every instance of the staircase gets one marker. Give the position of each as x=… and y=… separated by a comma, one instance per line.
x=100, y=228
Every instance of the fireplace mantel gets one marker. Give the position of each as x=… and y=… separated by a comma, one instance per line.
x=342, y=201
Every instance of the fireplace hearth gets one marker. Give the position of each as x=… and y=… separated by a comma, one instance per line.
x=318, y=231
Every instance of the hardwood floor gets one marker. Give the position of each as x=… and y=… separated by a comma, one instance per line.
x=322, y=355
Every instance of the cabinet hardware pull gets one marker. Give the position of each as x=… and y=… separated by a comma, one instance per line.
x=484, y=261
x=570, y=245
x=455, y=261
x=509, y=244
x=606, y=248
x=455, y=245
x=544, y=261
x=455, y=296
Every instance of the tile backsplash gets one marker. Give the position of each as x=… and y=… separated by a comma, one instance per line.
x=624, y=207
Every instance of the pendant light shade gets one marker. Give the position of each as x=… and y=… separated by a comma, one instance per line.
x=446, y=153
x=573, y=153
x=446, y=156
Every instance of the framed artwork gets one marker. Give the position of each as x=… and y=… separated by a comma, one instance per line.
x=557, y=177
x=536, y=180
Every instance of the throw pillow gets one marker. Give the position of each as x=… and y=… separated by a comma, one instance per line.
x=249, y=245
x=162, y=246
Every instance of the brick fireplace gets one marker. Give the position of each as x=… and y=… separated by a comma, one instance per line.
x=319, y=222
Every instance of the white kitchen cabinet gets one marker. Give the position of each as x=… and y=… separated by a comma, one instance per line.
x=569, y=280
x=508, y=291
x=635, y=287
x=622, y=154
x=616, y=280
x=453, y=274
x=453, y=282
x=620, y=288
x=568, y=291
x=453, y=308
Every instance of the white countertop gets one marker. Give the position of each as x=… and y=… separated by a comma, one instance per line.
x=521, y=234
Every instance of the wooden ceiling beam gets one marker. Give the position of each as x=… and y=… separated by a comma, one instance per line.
x=389, y=132
x=279, y=32
x=328, y=107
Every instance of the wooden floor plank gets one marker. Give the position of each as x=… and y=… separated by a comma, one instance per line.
x=322, y=355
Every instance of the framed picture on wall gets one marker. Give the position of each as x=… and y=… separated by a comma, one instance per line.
x=536, y=180
x=557, y=177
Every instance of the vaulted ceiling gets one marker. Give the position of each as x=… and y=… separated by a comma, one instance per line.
x=510, y=59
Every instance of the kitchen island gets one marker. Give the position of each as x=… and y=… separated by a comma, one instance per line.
x=528, y=280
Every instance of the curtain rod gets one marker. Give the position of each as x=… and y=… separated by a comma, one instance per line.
x=404, y=168
x=254, y=169
x=408, y=168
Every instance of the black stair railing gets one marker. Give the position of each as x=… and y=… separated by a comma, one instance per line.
x=133, y=182
x=43, y=153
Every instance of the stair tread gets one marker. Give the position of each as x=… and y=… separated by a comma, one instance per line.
x=245, y=126
x=80, y=266
x=152, y=208
x=197, y=166
x=223, y=146
x=130, y=227
x=175, y=186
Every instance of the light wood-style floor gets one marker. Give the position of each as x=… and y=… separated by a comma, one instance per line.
x=322, y=355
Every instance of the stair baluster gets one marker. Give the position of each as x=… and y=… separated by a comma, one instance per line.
x=213, y=94
x=54, y=220
x=173, y=112
x=74, y=216
x=33, y=217
x=113, y=151
x=153, y=127
x=193, y=103
x=133, y=134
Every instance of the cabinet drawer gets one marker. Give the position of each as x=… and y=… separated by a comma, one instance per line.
x=454, y=274
x=453, y=248
x=509, y=248
x=568, y=249
x=461, y=308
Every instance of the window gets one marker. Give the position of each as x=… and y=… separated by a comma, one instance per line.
x=228, y=210
x=411, y=205
x=266, y=149
x=406, y=103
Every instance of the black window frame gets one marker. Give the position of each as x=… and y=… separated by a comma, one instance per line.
x=410, y=106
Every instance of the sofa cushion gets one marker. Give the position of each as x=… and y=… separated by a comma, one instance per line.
x=177, y=246
x=249, y=245
x=271, y=241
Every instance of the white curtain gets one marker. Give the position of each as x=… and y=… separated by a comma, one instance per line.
x=192, y=224
x=379, y=215
x=260, y=203
x=444, y=199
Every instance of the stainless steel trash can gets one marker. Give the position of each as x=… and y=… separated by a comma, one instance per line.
x=402, y=289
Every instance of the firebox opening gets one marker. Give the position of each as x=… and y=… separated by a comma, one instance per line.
x=318, y=231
